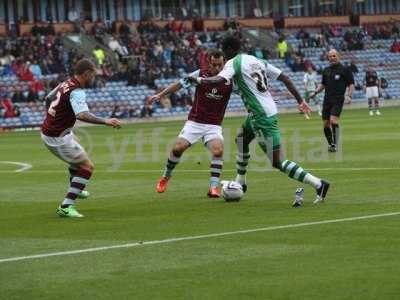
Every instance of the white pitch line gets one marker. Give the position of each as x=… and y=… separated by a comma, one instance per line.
x=24, y=166
x=196, y=237
x=207, y=171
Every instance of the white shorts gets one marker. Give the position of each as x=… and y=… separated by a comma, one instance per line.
x=66, y=148
x=372, y=92
x=193, y=132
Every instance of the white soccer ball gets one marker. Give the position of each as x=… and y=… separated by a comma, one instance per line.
x=231, y=190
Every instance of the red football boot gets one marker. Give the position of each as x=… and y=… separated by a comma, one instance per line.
x=162, y=184
x=213, y=192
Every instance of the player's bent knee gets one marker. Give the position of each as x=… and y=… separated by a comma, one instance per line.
x=218, y=152
x=88, y=165
x=178, y=150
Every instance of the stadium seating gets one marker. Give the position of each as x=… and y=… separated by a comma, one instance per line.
x=102, y=101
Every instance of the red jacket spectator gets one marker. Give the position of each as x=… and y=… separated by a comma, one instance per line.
x=36, y=86
x=25, y=74
x=395, y=48
x=9, y=111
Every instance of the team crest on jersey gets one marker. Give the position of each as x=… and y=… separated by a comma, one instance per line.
x=214, y=94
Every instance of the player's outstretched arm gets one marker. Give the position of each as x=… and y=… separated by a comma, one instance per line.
x=303, y=106
x=91, y=118
x=172, y=88
x=291, y=88
x=208, y=80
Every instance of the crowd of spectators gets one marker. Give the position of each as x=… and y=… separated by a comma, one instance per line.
x=335, y=36
x=149, y=52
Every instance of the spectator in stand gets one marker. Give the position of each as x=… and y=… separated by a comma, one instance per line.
x=304, y=36
x=124, y=29
x=282, y=47
x=353, y=67
x=147, y=110
x=32, y=96
x=25, y=73
x=35, y=69
x=134, y=76
x=99, y=30
x=298, y=64
x=6, y=58
x=100, y=55
x=115, y=46
x=152, y=74
x=231, y=24
x=9, y=110
x=18, y=96
x=38, y=87
x=395, y=48
x=395, y=30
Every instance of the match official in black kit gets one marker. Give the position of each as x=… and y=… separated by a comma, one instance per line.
x=338, y=82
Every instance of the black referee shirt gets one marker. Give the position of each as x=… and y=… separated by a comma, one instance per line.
x=336, y=78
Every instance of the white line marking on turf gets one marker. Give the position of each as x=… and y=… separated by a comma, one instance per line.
x=207, y=171
x=196, y=237
x=24, y=166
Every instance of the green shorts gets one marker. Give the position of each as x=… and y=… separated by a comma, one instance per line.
x=265, y=130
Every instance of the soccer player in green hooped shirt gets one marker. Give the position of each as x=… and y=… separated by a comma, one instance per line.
x=250, y=76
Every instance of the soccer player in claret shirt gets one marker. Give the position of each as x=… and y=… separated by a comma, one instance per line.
x=372, y=89
x=250, y=76
x=68, y=103
x=204, y=122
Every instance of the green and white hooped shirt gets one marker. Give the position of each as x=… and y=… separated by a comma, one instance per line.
x=251, y=76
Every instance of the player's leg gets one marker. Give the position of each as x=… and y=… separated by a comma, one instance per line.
x=243, y=140
x=216, y=148
x=81, y=169
x=334, y=121
x=180, y=146
x=369, y=97
x=326, y=114
x=84, y=169
x=376, y=106
x=370, y=107
x=268, y=136
x=188, y=136
x=296, y=172
x=72, y=172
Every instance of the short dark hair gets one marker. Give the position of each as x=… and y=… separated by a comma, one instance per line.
x=84, y=65
x=230, y=43
x=216, y=53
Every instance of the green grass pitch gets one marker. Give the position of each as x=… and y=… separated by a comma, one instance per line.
x=356, y=259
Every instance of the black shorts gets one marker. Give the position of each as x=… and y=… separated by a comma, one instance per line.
x=332, y=108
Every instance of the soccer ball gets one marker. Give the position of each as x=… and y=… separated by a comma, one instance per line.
x=231, y=191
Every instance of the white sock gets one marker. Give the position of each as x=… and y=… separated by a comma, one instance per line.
x=68, y=202
x=241, y=179
x=313, y=181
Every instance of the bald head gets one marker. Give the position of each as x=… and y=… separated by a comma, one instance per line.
x=333, y=57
